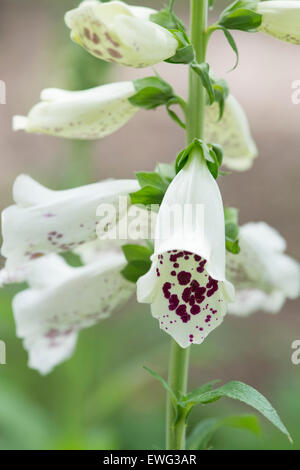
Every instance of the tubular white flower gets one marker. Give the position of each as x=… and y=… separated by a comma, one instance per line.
x=87, y=114
x=281, y=19
x=44, y=221
x=186, y=284
x=62, y=300
x=120, y=33
x=262, y=274
x=232, y=132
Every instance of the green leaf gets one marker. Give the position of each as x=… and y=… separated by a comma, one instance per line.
x=203, y=71
x=232, y=44
x=151, y=179
x=203, y=433
x=139, y=261
x=137, y=252
x=133, y=271
x=231, y=215
x=221, y=91
x=166, y=171
x=147, y=195
x=164, y=384
x=231, y=230
x=246, y=394
x=172, y=113
x=151, y=92
x=199, y=390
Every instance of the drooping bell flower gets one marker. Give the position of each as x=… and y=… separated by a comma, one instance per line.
x=232, y=132
x=61, y=300
x=121, y=33
x=280, y=19
x=263, y=275
x=186, y=285
x=44, y=221
x=87, y=114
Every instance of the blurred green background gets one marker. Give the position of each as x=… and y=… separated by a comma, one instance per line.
x=102, y=398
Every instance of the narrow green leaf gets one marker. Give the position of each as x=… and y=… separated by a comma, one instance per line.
x=164, y=384
x=232, y=44
x=203, y=433
x=246, y=394
x=202, y=389
x=203, y=71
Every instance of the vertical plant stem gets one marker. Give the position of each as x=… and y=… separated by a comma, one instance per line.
x=179, y=358
x=196, y=100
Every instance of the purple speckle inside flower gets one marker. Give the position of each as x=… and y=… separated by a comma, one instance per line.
x=192, y=297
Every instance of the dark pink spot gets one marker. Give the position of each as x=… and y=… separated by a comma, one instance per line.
x=114, y=53
x=184, y=278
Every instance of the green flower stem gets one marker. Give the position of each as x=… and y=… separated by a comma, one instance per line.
x=178, y=374
x=196, y=100
x=179, y=358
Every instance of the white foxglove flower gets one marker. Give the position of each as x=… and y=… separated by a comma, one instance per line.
x=120, y=33
x=186, y=284
x=87, y=114
x=44, y=221
x=262, y=274
x=61, y=300
x=281, y=20
x=232, y=132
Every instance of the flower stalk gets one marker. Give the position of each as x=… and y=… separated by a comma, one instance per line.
x=179, y=357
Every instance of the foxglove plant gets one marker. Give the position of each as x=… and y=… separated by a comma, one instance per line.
x=190, y=265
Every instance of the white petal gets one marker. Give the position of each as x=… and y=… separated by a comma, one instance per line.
x=261, y=266
x=232, y=132
x=87, y=114
x=62, y=300
x=62, y=220
x=120, y=33
x=252, y=300
x=281, y=20
x=186, y=285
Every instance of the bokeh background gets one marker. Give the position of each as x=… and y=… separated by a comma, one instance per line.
x=102, y=398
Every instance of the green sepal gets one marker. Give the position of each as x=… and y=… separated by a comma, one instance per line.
x=241, y=15
x=151, y=92
x=153, y=188
x=185, y=53
x=166, y=171
x=139, y=262
x=210, y=153
x=168, y=20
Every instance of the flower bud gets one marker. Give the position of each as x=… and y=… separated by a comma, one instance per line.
x=120, y=33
